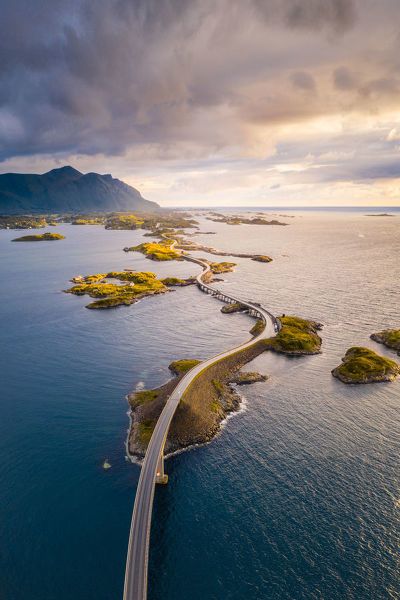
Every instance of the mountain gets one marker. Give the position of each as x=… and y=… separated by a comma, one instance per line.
x=68, y=190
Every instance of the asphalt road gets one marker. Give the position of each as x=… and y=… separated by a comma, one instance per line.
x=139, y=538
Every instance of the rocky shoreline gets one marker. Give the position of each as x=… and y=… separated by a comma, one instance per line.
x=203, y=408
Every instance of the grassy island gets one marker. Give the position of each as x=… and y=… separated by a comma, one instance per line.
x=221, y=267
x=296, y=337
x=156, y=251
x=362, y=365
x=40, y=237
x=131, y=287
x=123, y=221
x=389, y=338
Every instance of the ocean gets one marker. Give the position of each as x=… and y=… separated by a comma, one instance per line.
x=297, y=498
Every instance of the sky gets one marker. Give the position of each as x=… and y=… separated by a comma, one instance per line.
x=207, y=102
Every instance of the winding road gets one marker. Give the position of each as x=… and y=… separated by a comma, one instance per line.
x=152, y=470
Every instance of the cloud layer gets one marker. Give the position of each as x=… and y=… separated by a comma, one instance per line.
x=255, y=100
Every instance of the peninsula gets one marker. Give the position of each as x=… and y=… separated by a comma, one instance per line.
x=205, y=405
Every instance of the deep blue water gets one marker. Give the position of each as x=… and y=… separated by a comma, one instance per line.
x=298, y=498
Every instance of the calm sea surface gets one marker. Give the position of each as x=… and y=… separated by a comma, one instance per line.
x=298, y=498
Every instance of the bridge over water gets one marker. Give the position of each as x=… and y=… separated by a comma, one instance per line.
x=152, y=470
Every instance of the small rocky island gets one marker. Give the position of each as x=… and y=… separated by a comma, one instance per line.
x=389, y=338
x=362, y=365
x=296, y=337
x=238, y=220
x=40, y=237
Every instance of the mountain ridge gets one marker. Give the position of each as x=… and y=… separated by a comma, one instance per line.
x=65, y=189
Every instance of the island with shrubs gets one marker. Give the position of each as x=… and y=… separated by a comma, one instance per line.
x=362, y=365
x=238, y=220
x=296, y=337
x=124, y=289
x=389, y=338
x=40, y=237
x=160, y=251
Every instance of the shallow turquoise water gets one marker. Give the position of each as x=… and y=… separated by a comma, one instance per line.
x=297, y=498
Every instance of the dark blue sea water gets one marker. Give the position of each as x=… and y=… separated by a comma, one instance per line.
x=298, y=498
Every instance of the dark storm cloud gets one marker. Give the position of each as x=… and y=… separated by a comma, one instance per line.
x=101, y=76
x=158, y=80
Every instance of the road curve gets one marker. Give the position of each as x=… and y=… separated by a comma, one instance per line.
x=135, y=587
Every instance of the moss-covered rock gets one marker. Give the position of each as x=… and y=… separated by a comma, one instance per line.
x=177, y=282
x=389, y=337
x=262, y=258
x=40, y=237
x=296, y=337
x=247, y=378
x=362, y=365
x=228, y=309
x=221, y=267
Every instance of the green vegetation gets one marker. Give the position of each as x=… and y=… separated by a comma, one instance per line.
x=142, y=397
x=139, y=284
x=145, y=431
x=297, y=336
x=362, y=365
x=218, y=386
x=228, y=309
x=389, y=337
x=221, y=267
x=89, y=278
x=156, y=222
x=157, y=251
x=40, y=237
x=22, y=222
x=123, y=221
x=203, y=406
x=179, y=367
x=87, y=221
x=258, y=327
